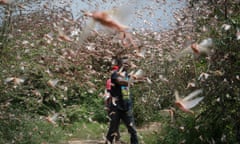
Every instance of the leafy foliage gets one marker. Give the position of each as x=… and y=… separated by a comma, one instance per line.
x=43, y=76
x=218, y=120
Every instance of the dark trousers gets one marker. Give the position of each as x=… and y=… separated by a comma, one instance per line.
x=127, y=118
x=117, y=133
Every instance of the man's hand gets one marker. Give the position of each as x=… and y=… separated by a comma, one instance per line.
x=114, y=100
x=140, y=80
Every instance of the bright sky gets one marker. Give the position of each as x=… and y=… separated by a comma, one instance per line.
x=156, y=15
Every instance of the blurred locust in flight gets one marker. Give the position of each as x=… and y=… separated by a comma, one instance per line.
x=186, y=103
x=106, y=18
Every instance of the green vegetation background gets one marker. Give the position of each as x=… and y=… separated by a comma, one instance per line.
x=75, y=101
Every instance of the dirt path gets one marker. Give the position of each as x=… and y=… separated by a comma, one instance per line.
x=86, y=142
x=151, y=127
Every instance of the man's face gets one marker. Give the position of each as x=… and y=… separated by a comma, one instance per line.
x=126, y=65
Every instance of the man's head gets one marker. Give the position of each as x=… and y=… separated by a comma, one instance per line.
x=124, y=62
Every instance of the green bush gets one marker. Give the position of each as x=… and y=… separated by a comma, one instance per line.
x=22, y=128
x=217, y=120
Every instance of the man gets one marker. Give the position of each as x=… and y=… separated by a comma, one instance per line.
x=121, y=107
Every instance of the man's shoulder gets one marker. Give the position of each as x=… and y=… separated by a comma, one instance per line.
x=114, y=74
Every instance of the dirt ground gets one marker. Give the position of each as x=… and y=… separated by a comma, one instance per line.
x=154, y=126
